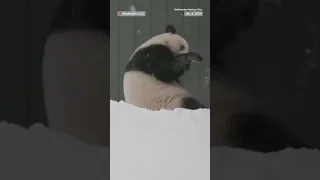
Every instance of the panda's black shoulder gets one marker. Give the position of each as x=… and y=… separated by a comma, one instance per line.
x=149, y=58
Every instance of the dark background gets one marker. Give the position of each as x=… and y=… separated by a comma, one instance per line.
x=24, y=27
x=277, y=58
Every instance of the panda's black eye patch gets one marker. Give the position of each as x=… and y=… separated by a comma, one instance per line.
x=182, y=47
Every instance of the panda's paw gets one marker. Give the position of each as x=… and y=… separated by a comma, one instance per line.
x=191, y=103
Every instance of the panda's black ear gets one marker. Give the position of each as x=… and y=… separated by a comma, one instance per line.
x=170, y=29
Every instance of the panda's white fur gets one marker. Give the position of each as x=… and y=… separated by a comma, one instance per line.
x=146, y=91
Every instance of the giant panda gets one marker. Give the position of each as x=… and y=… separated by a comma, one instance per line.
x=151, y=78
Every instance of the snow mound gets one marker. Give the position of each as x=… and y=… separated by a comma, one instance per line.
x=145, y=145
x=157, y=145
x=228, y=163
x=38, y=153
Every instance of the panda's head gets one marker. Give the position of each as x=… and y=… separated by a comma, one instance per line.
x=166, y=56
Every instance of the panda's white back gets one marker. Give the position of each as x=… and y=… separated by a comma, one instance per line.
x=146, y=91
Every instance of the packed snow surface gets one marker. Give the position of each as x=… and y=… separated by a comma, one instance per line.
x=145, y=145
x=167, y=144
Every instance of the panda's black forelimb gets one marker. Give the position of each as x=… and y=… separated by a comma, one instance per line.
x=191, y=103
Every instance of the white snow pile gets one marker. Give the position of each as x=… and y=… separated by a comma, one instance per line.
x=227, y=163
x=145, y=145
x=40, y=154
x=158, y=145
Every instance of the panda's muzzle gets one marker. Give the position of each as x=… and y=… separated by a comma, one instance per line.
x=189, y=58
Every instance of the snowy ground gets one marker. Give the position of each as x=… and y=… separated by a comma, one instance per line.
x=40, y=154
x=170, y=145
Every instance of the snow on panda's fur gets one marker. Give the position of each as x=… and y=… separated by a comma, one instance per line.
x=152, y=75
